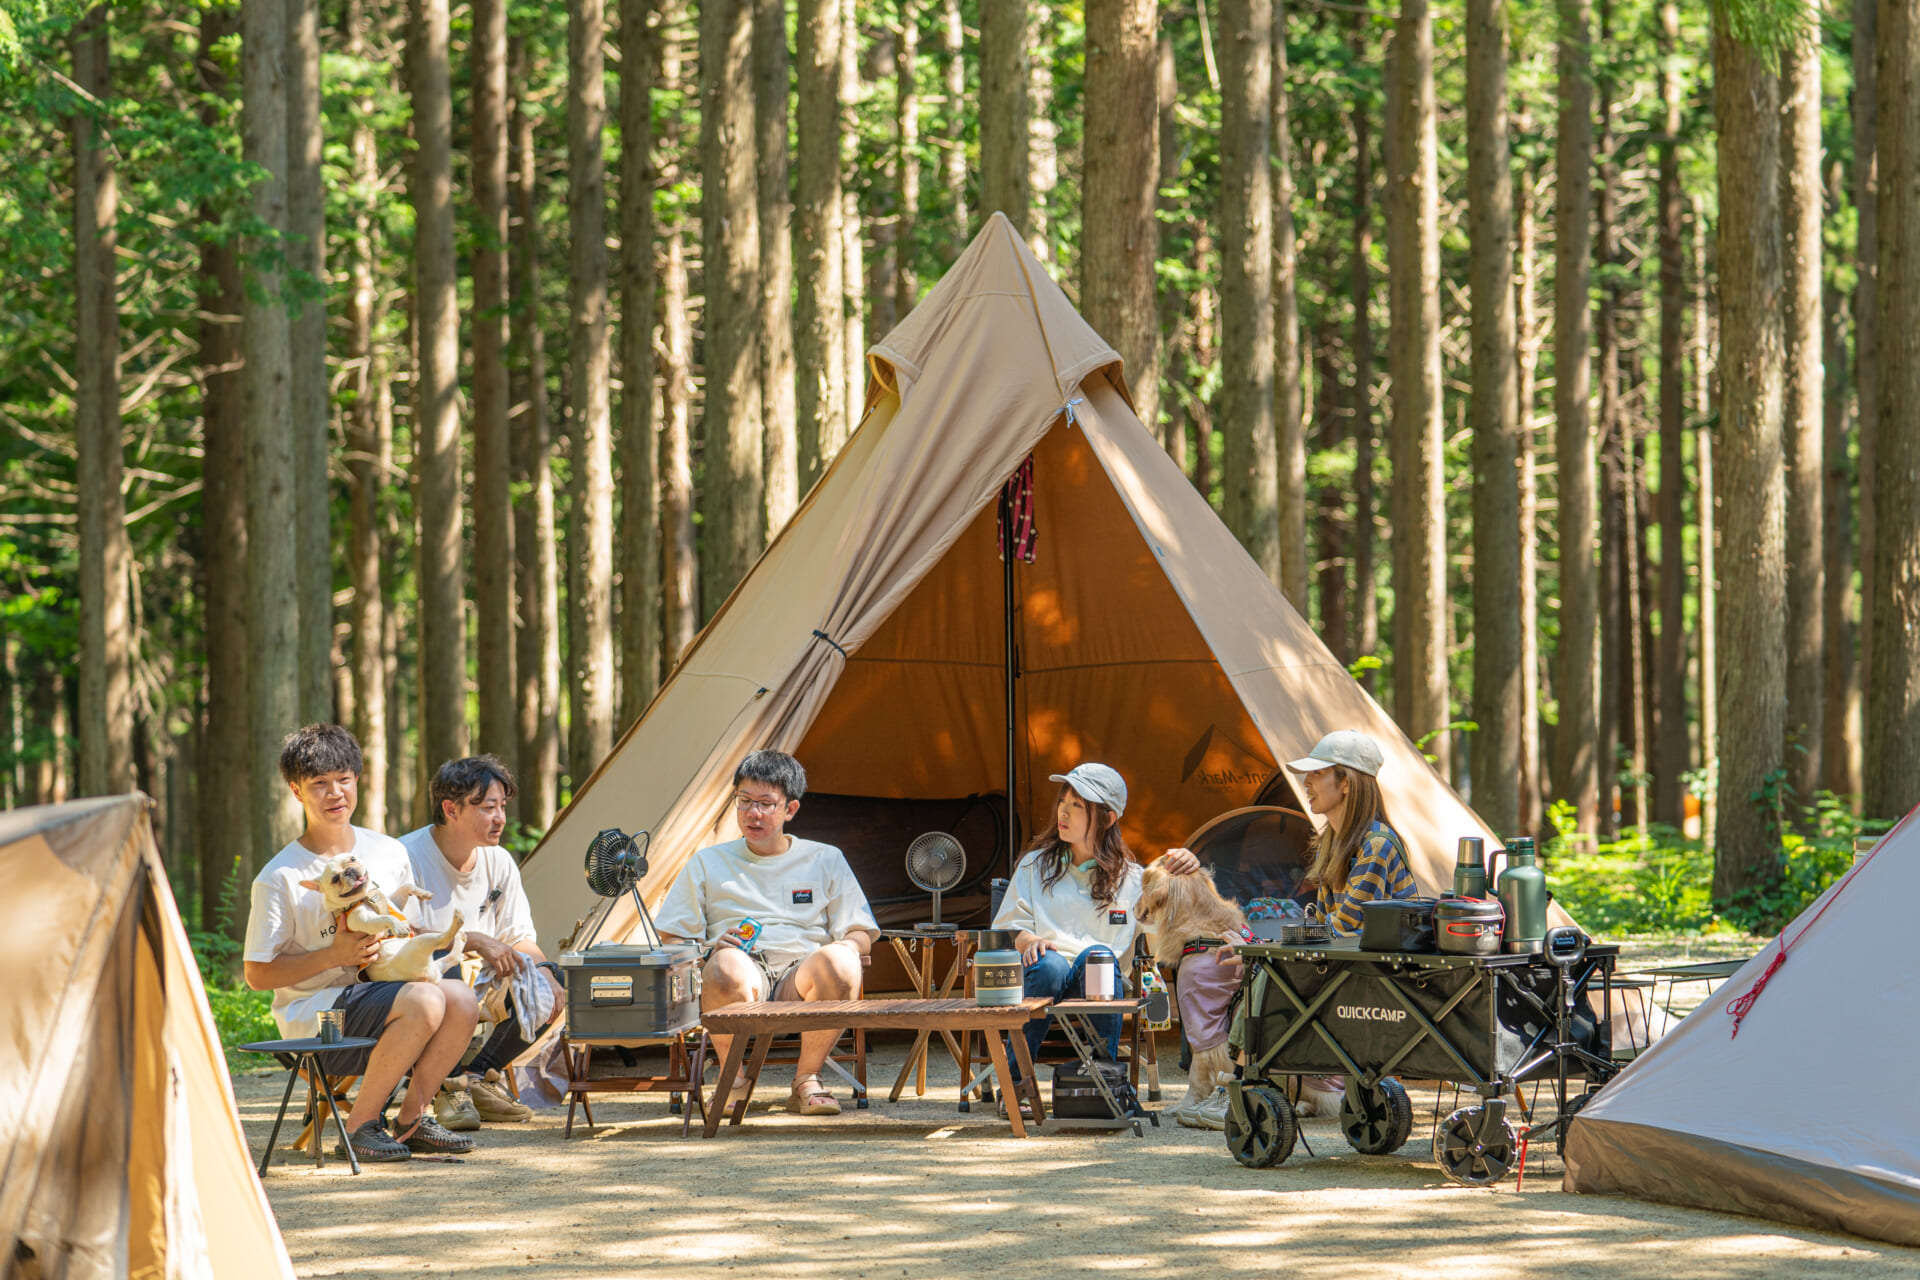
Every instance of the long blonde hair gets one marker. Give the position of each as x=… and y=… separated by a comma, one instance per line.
x=1173, y=910
x=1334, y=850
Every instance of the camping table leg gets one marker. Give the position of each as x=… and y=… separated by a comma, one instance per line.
x=717, y=1105
x=313, y=1109
x=916, y=1054
x=1021, y=1054
x=319, y=1129
x=694, y=1072
x=1007, y=1090
x=761, y=1043
x=274, y=1136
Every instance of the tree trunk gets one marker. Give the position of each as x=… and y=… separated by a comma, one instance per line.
x=590, y=392
x=1803, y=421
x=106, y=621
x=820, y=322
x=1526, y=287
x=225, y=823
x=773, y=67
x=1576, y=763
x=1005, y=177
x=493, y=564
x=1497, y=666
x=1616, y=715
x=537, y=644
x=679, y=573
x=1170, y=301
x=1840, y=732
x=1752, y=691
x=732, y=486
x=1119, y=236
x=1866, y=301
x=1290, y=429
x=953, y=155
x=853, y=271
x=1413, y=256
x=906, y=49
x=273, y=600
x=1671, y=754
x=306, y=259
x=1250, y=480
x=1043, y=160
x=368, y=367
x=1706, y=514
x=1365, y=590
x=436, y=418
x=1892, y=756
x=639, y=426
x=1206, y=352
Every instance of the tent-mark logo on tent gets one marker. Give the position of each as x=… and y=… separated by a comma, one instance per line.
x=1222, y=779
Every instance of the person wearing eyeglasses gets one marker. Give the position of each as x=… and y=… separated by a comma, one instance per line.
x=815, y=926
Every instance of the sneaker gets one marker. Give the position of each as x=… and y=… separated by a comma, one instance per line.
x=454, y=1107
x=1210, y=1114
x=1188, y=1104
x=372, y=1144
x=494, y=1103
x=426, y=1137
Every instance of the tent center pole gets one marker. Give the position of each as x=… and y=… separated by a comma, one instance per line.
x=1010, y=674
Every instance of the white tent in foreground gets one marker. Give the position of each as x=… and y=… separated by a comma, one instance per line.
x=122, y=1153
x=869, y=638
x=1808, y=1115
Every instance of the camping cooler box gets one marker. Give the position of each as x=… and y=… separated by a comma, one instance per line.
x=618, y=992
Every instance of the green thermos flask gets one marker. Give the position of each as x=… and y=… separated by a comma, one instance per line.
x=1522, y=890
x=1470, y=869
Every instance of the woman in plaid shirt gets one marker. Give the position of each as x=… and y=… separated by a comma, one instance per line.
x=1357, y=855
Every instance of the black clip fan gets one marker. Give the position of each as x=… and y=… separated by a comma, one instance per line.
x=935, y=862
x=616, y=862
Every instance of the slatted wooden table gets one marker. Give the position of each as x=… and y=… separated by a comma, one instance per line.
x=760, y=1021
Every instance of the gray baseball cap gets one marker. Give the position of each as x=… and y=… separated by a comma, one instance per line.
x=1097, y=784
x=1347, y=747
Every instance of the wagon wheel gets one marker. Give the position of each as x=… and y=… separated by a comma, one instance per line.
x=1574, y=1104
x=1472, y=1151
x=1267, y=1137
x=1384, y=1119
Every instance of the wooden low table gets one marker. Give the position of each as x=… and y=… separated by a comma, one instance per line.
x=760, y=1021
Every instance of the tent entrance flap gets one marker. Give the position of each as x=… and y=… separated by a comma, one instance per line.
x=1110, y=667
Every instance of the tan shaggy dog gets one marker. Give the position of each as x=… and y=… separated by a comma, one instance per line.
x=1173, y=910
x=343, y=883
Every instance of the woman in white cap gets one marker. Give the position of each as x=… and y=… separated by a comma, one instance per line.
x=1357, y=856
x=1075, y=887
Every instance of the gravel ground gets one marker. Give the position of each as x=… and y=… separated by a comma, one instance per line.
x=917, y=1190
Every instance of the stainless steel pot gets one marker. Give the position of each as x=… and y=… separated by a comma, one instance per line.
x=1469, y=926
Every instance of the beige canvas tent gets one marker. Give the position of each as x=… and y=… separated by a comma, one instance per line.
x=122, y=1154
x=869, y=639
x=1808, y=1114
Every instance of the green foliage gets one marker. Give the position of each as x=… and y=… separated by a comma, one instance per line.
x=242, y=1016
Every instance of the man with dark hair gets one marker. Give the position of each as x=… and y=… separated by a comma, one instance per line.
x=458, y=859
x=815, y=927
x=311, y=962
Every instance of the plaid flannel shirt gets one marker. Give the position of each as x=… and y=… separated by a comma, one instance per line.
x=1379, y=871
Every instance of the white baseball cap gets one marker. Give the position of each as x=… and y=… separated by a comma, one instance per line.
x=1097, y=784
x=1348, y=747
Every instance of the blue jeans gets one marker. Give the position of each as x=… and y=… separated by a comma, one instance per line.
x=1056, y=977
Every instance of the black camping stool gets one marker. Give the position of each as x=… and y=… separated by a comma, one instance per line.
x=306, y=1054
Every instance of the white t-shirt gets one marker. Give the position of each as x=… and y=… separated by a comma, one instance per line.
x=489, y=895
x=803, y=898
x=1066, y=914
x=287, y=918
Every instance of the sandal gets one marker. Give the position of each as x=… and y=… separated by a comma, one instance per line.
x=812, y=1101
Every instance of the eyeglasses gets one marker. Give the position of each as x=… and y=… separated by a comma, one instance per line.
x=747, y=804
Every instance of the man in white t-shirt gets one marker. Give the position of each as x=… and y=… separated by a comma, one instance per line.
x=311, y=962
x=815, y=927
x=458, y=859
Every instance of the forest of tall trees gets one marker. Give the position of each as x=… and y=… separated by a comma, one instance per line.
x=439, y=367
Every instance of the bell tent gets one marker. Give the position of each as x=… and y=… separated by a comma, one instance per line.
x=123, y=1153
x=1800, y=1108
x=883, y=639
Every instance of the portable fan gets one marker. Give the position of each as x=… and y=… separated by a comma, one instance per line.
x=616, y=862
x=935, y=862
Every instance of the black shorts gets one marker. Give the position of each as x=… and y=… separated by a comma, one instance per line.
x=367, y=1005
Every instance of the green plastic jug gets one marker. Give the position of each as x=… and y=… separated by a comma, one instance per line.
x=1522, y=890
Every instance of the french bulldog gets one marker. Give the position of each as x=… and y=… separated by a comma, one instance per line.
x=345, y=886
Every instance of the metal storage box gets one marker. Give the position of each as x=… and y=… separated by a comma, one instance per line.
x=618, y=992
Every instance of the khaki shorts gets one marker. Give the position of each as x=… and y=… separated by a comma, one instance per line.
x=779, y=979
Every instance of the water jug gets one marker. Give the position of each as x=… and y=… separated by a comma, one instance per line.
x=1522, y=889
x=998, y=978
x=1470, y=869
